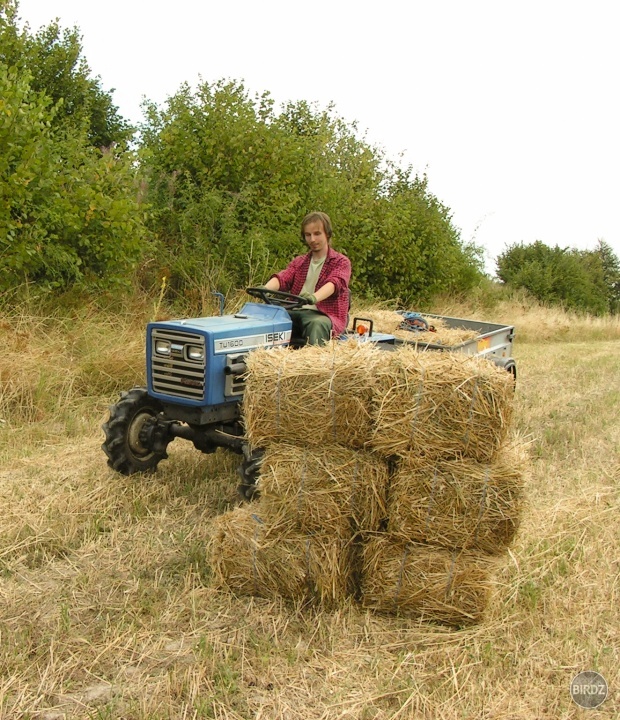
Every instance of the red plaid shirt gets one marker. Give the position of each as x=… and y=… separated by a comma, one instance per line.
x=336, y=269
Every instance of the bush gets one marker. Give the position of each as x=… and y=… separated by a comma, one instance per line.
x=229, y=180
x=572, y=278
x=70, y=214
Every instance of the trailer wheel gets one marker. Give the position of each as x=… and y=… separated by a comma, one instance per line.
x=507, y=364
x=124, y=436
x=511, y=367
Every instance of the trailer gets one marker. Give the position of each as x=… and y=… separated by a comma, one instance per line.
x=493, y=341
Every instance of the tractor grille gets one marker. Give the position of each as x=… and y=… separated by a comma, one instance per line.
x=175, y=373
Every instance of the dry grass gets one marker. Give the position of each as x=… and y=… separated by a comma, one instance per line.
x=108, y=608
x=52, y=364
x=536, y=323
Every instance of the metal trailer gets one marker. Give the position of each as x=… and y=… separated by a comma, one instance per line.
x=493, y=340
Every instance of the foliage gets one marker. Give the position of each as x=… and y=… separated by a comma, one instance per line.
x=69, y=213
x=611, y=274
x=414, y=251
x=579, y=280
x=229, y=180
x=53, y=59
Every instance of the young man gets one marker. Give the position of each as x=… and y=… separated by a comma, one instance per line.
x=321, y=277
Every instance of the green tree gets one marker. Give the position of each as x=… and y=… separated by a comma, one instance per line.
x=229, y=180
x=610, y=265
x=564, y=276
x=415, y=252
x=69, y=212
x=53, y=58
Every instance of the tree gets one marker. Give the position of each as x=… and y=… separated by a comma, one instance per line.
x=564, y=276
x=53, y=58
x=69, y=213
x=415, y=251
x=610, y=265
x=229, y=179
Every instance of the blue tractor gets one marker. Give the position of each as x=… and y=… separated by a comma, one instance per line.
x=195, y=383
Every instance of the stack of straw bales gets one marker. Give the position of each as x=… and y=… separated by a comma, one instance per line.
x=252, y=555
x=331, y=490
x=450, y=521
x=458, y=503
x=439, y=404
x=386, y=476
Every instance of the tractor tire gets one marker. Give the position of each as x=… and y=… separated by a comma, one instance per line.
x=248, y=471
x=126, y=453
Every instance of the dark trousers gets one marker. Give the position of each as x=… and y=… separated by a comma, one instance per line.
x=311, y=326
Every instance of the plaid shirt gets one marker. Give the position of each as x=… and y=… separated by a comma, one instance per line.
x=336, y=269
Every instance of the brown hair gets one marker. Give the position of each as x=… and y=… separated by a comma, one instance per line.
x=317, y=217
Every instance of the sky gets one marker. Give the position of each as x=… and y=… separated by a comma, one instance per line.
x=511, y=109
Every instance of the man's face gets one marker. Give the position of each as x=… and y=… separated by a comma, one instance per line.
x=315, y=237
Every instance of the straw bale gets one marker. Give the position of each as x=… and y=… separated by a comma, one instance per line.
x=314, y=396
x=443, y=335
x=389, y=321
x=334, y=490
x=441, y=404
x=250, y=557
x=384, y=321
x=424, y=582
x=459, y=503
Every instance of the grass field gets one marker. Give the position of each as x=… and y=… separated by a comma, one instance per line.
x=106, y=606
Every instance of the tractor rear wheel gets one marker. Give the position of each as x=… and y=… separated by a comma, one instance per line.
x=125, y=437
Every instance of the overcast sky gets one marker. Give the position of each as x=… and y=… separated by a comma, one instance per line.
x=511, y=109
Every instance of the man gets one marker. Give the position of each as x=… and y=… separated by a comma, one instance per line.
x=321, y=277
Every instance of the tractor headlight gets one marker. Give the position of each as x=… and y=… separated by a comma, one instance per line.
x=195, y=353
x=162, y=347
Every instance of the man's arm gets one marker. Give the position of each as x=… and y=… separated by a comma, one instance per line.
x=286, y=278
x=339, y=275
x=272, y=284
x=325, y=291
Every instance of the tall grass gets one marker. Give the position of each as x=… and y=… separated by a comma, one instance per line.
x=534, y=322
x=53, y=364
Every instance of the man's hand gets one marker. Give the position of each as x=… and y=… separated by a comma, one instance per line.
x=308, y=297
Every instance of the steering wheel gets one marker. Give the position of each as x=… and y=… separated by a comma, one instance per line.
x=283, y=299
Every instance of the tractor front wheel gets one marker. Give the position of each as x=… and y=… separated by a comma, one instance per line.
x=125, y=437
x=248, y=471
